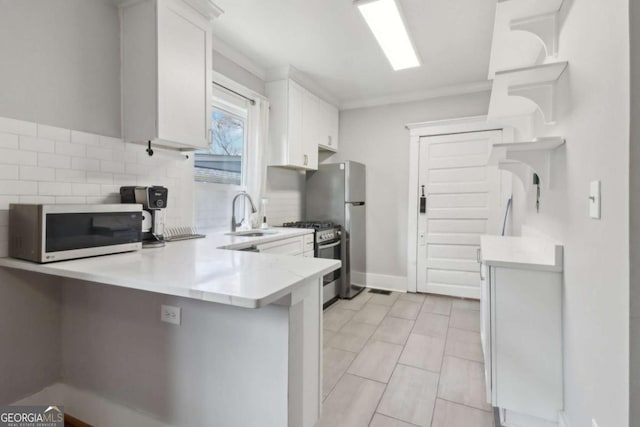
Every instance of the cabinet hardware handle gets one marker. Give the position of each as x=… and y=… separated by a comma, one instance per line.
x=306, y=159
x=478, y=256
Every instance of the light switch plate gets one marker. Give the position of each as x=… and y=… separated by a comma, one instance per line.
x=594, y=200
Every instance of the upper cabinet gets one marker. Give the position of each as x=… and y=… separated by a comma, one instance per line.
x=300, y=124
x=166, y=74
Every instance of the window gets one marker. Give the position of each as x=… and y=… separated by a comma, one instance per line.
x=224, y=161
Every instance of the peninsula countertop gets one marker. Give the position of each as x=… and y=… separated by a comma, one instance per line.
x=206, y=269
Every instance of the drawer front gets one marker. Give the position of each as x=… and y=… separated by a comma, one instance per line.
x=292, y=246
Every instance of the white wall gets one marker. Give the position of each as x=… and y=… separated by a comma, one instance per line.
x=635, y=216
x=378, y=138
x=61, y=63
x=594, y=118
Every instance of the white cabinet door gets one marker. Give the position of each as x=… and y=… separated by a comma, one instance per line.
x=328, y=119
x=295, y=129
x=166, y=74
x=310, y=130
x=183, y=63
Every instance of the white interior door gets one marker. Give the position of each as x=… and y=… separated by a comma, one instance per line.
x=463, y=202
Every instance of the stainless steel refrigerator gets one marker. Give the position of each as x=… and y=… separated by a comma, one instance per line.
x=337, y=192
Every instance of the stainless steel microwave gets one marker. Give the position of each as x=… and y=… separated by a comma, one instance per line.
x=46, y=233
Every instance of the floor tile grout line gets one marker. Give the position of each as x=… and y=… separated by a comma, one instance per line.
x=433, y=410
x=466, y=406
x=397, y=363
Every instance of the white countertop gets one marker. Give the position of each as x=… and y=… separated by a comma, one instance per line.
x=199, y=269
x=531, y=253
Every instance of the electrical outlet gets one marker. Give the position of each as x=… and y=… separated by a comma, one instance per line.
x=170, y=314
x=594, y=423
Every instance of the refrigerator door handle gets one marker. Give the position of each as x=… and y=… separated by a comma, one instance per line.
x=355, y=203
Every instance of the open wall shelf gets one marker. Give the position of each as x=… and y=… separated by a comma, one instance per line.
x=525, y=90
x=525, y=33
x=523, y=159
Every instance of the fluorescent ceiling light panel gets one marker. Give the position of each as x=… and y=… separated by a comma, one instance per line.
x=385, y=21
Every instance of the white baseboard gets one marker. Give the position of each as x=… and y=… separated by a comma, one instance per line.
x=563, y=421
x=90, y=407
x=380, y=281
x=454, y=290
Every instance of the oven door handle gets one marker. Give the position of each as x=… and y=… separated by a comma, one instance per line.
x=331, y=245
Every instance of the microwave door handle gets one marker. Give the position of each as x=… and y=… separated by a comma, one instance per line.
x=331, y=245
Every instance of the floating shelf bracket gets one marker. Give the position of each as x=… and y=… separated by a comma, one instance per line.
x=525, y=158
x=525, y=90
x=525, y=33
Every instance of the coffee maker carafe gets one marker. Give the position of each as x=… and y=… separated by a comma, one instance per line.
x=154, y=201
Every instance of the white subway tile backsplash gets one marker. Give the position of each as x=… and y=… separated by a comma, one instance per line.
x=54, y=189
x=110, y=166
x=9, y=140
x=32, y=143
x=78, y=137
x=99, y=153
x=85, y=164
x=69, y=149
x=18, y=188
x=55, y=133
x=85, y=189
x=122, y=179
x=54, y=160
x=34, y=173
x=18, y=127
x=9, y=172
x=109, y=189
x=6, y=200
x=70, y=175
x=46, y=164
x=17, y=157
x=75, y=200
x=99, y=178
x=112, y=143
x=38, y=199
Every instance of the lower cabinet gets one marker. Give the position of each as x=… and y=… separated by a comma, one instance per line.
x=295, y=246
x=521, y=332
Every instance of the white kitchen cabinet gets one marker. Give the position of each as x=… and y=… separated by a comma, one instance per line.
x=300, y=123
x=328, y=135
x=292, y=246
x=166, y=74
x=521, y=328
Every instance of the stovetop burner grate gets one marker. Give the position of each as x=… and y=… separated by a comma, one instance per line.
x=317, y=225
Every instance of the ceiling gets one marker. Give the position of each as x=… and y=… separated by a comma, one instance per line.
x=329, y=41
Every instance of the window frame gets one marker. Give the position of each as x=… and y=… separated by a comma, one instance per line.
x=221, y=104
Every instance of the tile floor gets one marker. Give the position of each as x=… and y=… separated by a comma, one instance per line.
x=403, y=360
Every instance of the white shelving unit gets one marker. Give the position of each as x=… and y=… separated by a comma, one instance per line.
x=525, y=33
x=525, y=158
x=524, y=90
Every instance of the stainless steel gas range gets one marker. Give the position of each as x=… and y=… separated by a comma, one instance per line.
x=327, y=244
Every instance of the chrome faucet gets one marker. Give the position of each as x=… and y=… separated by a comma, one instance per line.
x=234, y=225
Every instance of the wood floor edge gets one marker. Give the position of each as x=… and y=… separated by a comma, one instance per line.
x=70, y=421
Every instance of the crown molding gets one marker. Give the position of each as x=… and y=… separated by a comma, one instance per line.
x=206, y=7
x=302, y=78
x=239, y=58
x=414, y=96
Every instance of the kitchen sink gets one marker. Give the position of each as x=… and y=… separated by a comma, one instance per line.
x=252, y=233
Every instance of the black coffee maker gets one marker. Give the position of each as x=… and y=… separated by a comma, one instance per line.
x=154, y=201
